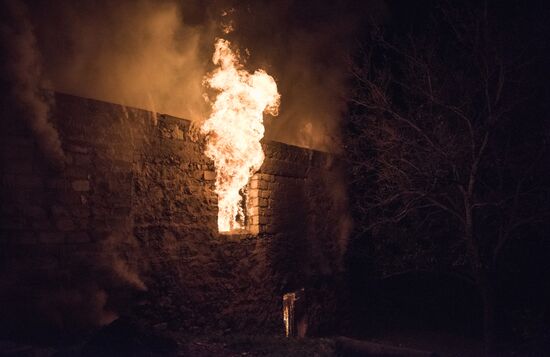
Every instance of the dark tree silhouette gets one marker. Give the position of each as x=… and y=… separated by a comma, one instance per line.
x=445, y=139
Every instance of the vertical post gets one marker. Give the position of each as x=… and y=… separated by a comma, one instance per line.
x=294, y=314
x=288, y=313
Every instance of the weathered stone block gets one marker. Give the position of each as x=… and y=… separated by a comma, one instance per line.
x=253, y=211
x=197, y=174
x=82, y=159
x=52, y=237
x=266, y=177
x=35, y=212
x=262, y=202
x=56, y=184
x=254, y=220
x=65, y=224
x=209, y=175
x=81, y=185
x=43, y=223
x=77, y=148
x=253, y=194
x=81, y=212
x=78, y=237
x=254, y=184
x=263, y=185
x=59, y=211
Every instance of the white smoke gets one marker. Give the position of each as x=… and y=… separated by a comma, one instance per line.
x=21, y=73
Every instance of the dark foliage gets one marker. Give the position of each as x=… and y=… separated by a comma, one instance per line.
x=447, y=141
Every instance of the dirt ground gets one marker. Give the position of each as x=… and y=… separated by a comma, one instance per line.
x=243, y=345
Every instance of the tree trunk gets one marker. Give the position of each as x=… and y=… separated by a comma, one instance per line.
x=488, y=297
x=482, y=275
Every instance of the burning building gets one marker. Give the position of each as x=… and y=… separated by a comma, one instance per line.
x=132, y=219
x=108, y=210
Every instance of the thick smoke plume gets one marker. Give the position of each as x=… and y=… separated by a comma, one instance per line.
x=154, y=55
x=136, y=53
x=21, y=76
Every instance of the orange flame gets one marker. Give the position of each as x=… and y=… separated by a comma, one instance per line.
x=235, y=128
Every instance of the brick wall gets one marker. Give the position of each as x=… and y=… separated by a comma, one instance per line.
x=133, y=216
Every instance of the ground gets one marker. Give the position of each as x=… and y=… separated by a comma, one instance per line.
x=195, y=346
x=124, y=340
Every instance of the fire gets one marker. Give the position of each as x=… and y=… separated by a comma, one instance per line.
x=235, y=128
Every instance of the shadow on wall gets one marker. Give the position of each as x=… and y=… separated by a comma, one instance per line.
x=308, y=224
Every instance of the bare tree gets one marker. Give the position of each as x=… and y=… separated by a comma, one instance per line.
x=437, y=139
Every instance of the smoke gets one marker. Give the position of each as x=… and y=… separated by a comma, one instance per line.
x=304, y=46
x=87, y=305
x=101, y=285
x=136, y=53
x=21, y=74
x=122, y=271
x=154, y=55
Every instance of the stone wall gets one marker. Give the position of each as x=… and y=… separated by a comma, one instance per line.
x=132, y=221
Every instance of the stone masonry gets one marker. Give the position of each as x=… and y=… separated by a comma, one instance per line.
x=133, y=216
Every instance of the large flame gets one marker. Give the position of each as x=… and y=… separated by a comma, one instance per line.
x=235, y=128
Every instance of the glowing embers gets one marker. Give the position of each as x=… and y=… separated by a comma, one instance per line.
x=294, y=314
x=234, y=130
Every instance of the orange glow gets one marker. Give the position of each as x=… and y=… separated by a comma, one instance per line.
x=235, y=128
